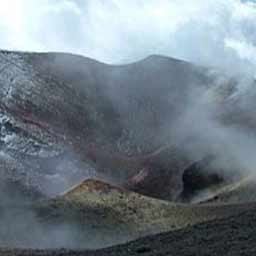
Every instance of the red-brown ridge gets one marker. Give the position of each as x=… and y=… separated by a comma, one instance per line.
x=93, y=185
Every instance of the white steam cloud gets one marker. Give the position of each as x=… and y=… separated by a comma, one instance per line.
x=213, y=32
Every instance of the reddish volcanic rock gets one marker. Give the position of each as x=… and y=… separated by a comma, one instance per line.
x=91, y=185
x=157, y=174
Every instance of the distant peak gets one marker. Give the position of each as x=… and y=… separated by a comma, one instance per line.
x=161, y=58
x=92, y=185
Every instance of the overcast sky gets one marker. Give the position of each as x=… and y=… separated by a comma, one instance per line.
x=212, y=32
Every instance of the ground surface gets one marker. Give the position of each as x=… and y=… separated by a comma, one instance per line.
x=232, y=236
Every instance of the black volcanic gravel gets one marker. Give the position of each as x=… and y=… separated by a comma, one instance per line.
x=230, y=237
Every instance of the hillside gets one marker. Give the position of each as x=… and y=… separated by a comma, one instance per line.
x=94, y=155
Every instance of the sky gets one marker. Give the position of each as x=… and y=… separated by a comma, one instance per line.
x=213, y=32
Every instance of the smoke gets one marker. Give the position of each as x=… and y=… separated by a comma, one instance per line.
x=232, y=143
x=218, y=33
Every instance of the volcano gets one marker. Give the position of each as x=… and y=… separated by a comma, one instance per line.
x=97, y=155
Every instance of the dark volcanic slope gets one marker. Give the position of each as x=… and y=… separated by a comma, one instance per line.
x=53, y=105
x=119, y=100
x=64, y=118
x=232, y=236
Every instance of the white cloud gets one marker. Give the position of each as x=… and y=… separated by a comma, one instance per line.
x=245, y=50
x=213, y=32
